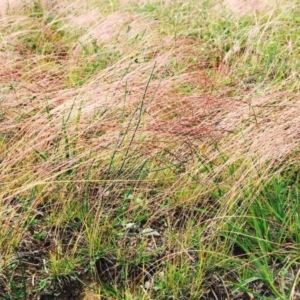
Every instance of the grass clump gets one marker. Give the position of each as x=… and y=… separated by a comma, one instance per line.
x=148, y=153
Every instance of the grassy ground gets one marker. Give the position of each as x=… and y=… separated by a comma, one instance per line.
x=149, y=150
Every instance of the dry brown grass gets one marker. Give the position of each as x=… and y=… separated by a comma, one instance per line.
x=9, y=5
x=156, y=100
x=244, y=7
x=264, y=126
x=268, y=122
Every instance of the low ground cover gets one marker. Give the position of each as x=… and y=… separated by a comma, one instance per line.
x=149, y=150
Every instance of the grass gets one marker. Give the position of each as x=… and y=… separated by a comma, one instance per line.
x=149, y=150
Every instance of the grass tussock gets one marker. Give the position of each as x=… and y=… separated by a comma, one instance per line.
x=149, y=150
